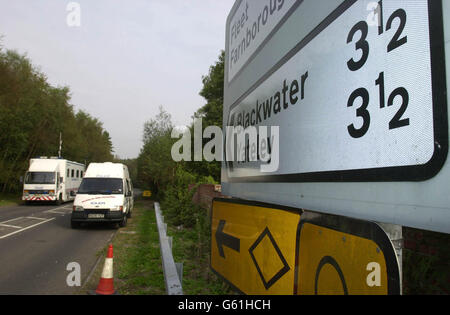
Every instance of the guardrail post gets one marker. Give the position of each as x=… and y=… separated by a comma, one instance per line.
x=173, y=272
x=179, y=267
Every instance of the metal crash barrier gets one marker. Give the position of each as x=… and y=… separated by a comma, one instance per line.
x=173, y=272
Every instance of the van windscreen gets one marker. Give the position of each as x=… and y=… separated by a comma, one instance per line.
x=101, y=186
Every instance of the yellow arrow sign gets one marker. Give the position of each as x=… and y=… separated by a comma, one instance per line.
x=253, y=246
x=265, y=249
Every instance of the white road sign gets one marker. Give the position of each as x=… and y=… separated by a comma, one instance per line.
x=355, y=95
x=251, y=24
x=348, y=101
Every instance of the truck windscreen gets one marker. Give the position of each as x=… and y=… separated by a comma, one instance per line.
x=101, y=186
x=40, y=178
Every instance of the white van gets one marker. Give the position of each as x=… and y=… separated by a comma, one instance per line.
x=52, y=179
x=105, y=195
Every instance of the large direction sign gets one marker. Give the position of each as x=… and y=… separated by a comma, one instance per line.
x=252, y=23
x=353, y=101
x=360, y=96
x=266, y=249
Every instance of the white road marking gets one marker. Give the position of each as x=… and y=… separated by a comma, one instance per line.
x=28, y=227
x=34, y=218
x=63, y=207
x=11, y=226
x=11, y=220
x=57, y=212
x=43, y=220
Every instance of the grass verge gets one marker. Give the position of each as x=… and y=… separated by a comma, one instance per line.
x=137, y=259
x=9, y=200
x=192, y=247
x=137, y=262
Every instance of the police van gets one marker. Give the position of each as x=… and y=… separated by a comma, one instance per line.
x=52, y=179
x=105, y=195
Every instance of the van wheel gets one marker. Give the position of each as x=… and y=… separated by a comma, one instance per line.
x=129, y=214
x=123, y=223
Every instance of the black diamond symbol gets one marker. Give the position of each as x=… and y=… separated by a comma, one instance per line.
x=281, y=272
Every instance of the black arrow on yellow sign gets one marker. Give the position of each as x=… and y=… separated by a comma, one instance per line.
x=227, y=240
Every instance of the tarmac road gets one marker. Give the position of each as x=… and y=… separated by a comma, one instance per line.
x=37, y=244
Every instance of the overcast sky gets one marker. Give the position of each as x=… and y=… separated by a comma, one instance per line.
x=125, y=59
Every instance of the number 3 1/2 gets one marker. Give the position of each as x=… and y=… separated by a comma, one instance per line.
x=363, y=45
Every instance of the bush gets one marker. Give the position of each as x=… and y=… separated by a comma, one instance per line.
x=177, y=204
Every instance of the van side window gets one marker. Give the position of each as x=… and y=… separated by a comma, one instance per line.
x=68, y=173
x=78, y=174
x=128, y=187
x=81, y=174
x=73, y=173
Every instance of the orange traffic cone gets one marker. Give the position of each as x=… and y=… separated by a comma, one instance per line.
x=106, y=284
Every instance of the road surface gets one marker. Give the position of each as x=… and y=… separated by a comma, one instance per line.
x=37, y=244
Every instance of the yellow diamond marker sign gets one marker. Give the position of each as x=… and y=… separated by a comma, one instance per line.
x=253, y=246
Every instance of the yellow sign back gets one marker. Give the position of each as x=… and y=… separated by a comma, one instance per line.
x=333, y=262
x=253, y=247
x=265, y=249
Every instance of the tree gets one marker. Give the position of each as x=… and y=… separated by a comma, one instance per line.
x=33, y=114
x=212, y=91
x=155, y=164
x=211, y=114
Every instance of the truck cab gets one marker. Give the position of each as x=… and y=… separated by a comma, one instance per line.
x=51, y=179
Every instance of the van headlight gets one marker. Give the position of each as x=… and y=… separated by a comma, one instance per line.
x=117, y=208
x=78, y=208
x=26, y=193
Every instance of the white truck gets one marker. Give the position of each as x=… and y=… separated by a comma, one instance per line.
x=105, y=195
x=52, y=179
